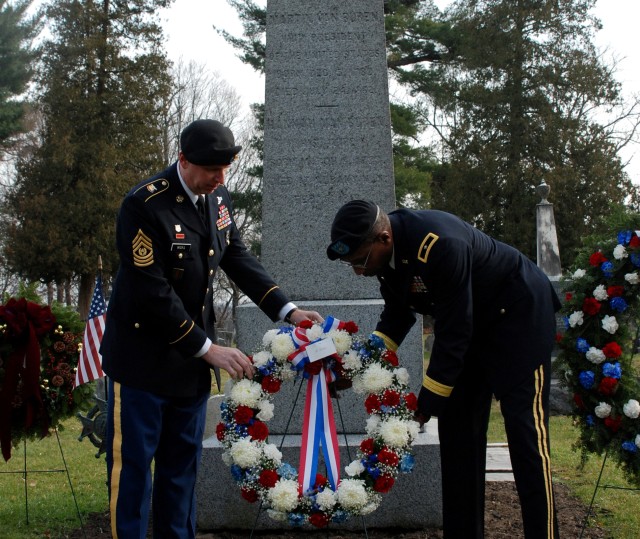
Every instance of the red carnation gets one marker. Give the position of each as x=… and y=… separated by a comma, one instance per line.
x=268, y=478
x=568, y=296
x=258, y=431
x=372, y=403
x=634, y=242
x=243, y=414
x=412, y=401
x=613, y=424
x=578, y=400
x=591, y=306
x=612, y=350
x=388, y=457
x=608, y=386
x=390, y=357
x=391, y=398
x=366, y=446
x=319, y=520
x=271, y=384
x=220, y=431
x=351, y=327
x=313, y=368
x=321, y=481
x=305, y=324
x=559, y=337
x=615, y=291
x=249, y=494
x=596, y=259
x=383, y=483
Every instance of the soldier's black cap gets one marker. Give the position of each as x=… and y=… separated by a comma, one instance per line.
x=351, y=227
x=208, y=142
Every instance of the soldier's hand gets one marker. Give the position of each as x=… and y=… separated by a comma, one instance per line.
x=299, y=315
x=231, y=360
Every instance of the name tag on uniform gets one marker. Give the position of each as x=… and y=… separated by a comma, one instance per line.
x=180, y=247
x=321, y=349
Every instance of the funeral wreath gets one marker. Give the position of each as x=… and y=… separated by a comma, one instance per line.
x=303, y=496
x=601, y=314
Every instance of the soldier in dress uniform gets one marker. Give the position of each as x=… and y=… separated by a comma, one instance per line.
x=173, y=232
x=494, y=327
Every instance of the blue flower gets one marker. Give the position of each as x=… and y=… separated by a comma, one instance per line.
x=582, y=346
x=624, y=237
x=607, y=269
x=565, y=320
x=613, y=370
x=237, y=473
x=286, y=471
x=376, y=341
x=590, y=421
x=339, y=516
x=296, y=519
x=635, y=259
x=618, y=304
x=407, y=463
x=586, y=379
x=630, y=446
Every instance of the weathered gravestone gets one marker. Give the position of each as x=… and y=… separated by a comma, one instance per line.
x=327, y=141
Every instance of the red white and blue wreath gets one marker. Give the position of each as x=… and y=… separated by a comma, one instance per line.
x=320, y=353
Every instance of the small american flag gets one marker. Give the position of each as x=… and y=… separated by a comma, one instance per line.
x=90, y=361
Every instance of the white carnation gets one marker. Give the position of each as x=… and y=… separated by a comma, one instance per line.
x=358, y=385
x=272, y=452
x=261, y=358
x=326, y=499
x=268, y=337
x=402, y=375
x=284, y=495
x=620, y=252
x=595, y=355
x=351, y=361
x=414, y=429
x=394, y=432
x=603, y=410
x=246, y=392
x=632, y=409
x=578, y=274
x=352, y=494
x=354, y=468
x=632, y=278
x=314, y=332
x=376, y=378
x=266, y=410
x=282, y=346
x=610, y=324
x=342, y=341
x=373, y=422
x=245, y=453
x=600, y=293
x=576, y=319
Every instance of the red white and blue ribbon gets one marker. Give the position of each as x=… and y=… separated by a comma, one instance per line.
x=318, y=429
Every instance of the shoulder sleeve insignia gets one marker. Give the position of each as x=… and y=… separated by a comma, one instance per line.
x=142, y=250
x=426, y=245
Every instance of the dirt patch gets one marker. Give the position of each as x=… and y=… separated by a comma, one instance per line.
x=502, y=521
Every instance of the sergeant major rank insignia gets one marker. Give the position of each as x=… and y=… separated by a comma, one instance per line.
x=142, y=250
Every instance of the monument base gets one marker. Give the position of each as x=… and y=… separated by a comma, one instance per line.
x=414, y=502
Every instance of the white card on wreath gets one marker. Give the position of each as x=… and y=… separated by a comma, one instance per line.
x=320, y=349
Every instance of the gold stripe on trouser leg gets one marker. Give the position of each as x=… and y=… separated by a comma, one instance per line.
x=116, y=466
x=543, y=446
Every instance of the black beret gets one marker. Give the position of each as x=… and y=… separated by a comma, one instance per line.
x=351, y=226
x=208, y=142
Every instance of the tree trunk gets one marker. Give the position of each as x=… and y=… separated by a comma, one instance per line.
x=84, y=294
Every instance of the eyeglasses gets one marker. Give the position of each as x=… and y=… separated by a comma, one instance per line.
x=358, y=266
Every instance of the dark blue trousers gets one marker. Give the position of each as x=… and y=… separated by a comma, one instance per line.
x=144, y=428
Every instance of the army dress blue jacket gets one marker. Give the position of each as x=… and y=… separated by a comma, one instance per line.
x=489, y=302
x=161, y=308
